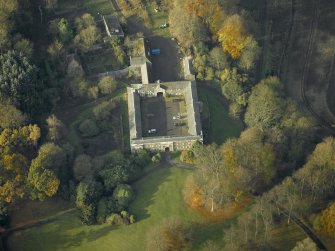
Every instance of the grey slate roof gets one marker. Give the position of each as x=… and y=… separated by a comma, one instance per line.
x=113, y=26
x=134, y=111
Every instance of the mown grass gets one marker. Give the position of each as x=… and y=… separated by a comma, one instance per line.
x=159, y=196
x=98, y=6
x=157, y=19
x=216, y=122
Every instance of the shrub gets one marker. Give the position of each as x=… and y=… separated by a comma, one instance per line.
x=88, y=193
x=82, y=167
x=125, y=214
x=132, y=219
x=235, y=110
x=87, y=214
x=88, y=128
x=107, y=85
x=104, y=110
x=156, y=158
x=106, y=206
x=115, y=219
x=170, y=235
x=93, y=92
x=187, y=157
x=123, y=195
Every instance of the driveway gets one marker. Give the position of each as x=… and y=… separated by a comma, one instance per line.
x=166, y=65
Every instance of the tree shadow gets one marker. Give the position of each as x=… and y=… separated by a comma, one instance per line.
x=146, y=190
x=57, y=235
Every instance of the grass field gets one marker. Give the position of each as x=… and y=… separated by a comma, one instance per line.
x=159, y=195
x=216, y=121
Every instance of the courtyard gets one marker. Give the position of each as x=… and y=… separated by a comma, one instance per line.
x=166, y=115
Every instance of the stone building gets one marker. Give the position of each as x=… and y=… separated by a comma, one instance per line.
x=181, y=140
x=163, y=116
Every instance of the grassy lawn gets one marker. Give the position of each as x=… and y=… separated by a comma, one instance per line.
x=28, y=211
x=216, y=121
x=157, y=19
x=159, y=195
x=95, y=6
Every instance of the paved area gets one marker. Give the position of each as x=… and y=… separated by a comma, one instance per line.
x=165, y=66
x=153, y=116
x=176, y=106
x=158, y=113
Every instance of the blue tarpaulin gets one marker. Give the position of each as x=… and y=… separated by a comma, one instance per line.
x=155, y=51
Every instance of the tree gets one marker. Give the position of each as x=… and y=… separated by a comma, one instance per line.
x=305, y=245
x=317, y=175
x=51, y=4
x=19, y=140
x=75, y=70
x=172, y=235
x=235, y=110
x=75, y=75
x=250, y=160
x=328, y=220
x=56, y=128
x=88, y=128
x=123, y=194
x=266, y=105
x=93, y=92
x=87, y=32
x=56, y=49
x=82, y=167
x=119, y=169
x=104, y=111
x=187, y=156
x=10, y=116
x=233, y=35
x=24, y=46
x=210, y=11
x=46, y=170
x=18, y=81
x=7, y=9
x=210, y=178
x=218, y=59
x=87, y=37
x=15, y=145
x=88, y=194
x=233, y=85
x=249, y=54
x=65, y=32
x=105, y=207
x=188, y=29
x=85, y=21
x=13, y=176
x=107, y=85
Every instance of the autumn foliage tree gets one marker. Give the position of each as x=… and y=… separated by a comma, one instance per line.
x=209, y=11
x=233, y=35
x=45, y=171
x=188, y=29
x=16, y=146
x=13, y=175
x=171, y=236
x=328, y=219
x=250, y=160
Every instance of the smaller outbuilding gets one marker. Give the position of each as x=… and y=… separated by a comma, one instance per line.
x=112, y=26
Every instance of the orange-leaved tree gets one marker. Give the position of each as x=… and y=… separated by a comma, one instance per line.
x=233, y=35
x=328, y=219
x=210, y=12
